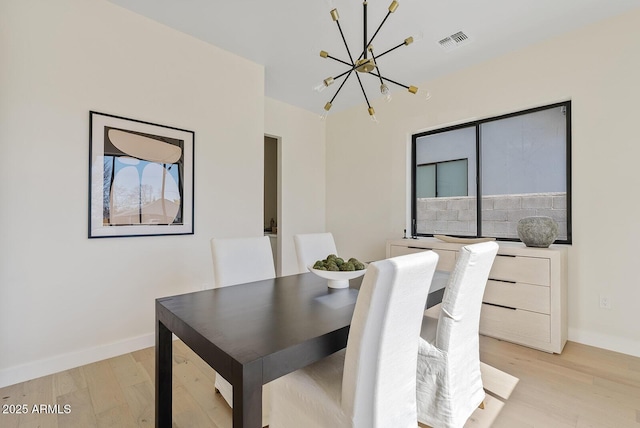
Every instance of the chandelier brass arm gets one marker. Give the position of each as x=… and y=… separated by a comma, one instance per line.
x=365, y=97
x=324, y=54
x=335, y=17
x=330, y=80
x=406, y=42
x=340, y=87
x=392, y=8
x=411, y=89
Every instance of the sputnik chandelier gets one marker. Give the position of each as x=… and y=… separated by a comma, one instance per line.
x=364, y=63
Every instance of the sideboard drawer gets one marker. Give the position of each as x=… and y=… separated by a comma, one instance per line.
x=518, y=295
x=522, y=269
x=446, y=258
x=515, y=325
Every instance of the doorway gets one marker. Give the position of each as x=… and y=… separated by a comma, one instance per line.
x=271, y=220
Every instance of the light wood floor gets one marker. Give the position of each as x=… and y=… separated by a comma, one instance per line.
x=584, y=387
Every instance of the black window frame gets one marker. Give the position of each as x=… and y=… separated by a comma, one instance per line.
x=479, y=195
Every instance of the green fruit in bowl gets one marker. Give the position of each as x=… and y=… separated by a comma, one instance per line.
x=334, y=263
x=347, y=266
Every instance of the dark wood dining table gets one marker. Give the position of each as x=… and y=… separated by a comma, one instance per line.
x=256, y=332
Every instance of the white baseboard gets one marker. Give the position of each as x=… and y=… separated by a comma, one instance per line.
x=605, y=341
x=58, y=363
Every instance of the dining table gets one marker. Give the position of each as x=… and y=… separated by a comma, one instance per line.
x=256, y=332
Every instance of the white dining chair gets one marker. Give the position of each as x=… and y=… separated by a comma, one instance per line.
x=372, y=382
x=237, y=261
x=311, y=247
x=449, y=385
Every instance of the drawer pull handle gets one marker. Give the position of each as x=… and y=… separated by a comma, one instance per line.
x=503, y=280
x=419, y=248
x=499, y=306
x=507, y=255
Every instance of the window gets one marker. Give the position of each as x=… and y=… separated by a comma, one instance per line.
x=480, y=178
x=442, y=179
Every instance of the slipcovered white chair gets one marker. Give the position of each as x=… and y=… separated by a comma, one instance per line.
x=449, y=386
x=371, y=383
x=311, y=247
x=236, y=261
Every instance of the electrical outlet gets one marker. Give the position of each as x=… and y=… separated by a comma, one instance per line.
x=605, y=301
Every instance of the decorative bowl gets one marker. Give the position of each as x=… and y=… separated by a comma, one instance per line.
x=537, y=231
x=338, y=279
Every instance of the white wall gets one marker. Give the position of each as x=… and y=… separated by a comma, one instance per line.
x=302, y=175
x=66, y=300
x=597, y=68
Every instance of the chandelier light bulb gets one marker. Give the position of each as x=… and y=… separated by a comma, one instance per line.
x=372, y=115
x=320, y=87
x=415, y=38
x=327, y=107
x=324, y=84
x=384, y=90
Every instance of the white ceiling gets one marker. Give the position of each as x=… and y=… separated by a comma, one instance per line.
x=286, y=36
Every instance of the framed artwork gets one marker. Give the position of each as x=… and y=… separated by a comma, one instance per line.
x=140, y=178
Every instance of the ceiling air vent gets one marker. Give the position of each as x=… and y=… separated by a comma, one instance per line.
x=453, y=41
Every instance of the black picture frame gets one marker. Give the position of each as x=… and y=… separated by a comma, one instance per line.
x=141, y=178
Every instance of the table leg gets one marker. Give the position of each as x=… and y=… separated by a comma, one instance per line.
x=247, y=400
x=163, y=375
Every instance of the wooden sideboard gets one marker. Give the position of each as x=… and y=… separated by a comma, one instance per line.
x=525, y=301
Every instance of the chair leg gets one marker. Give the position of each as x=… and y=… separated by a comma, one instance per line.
x=481, y=406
